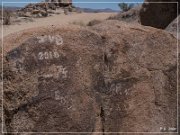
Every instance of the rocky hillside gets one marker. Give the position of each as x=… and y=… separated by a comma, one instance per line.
x=44, y=8
x=112, y=77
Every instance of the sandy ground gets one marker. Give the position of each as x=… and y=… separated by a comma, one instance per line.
x=61, y=19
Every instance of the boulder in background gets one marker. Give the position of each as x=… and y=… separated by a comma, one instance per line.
x=158, y=15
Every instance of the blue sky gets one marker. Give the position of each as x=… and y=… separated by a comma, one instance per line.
x=83, y=5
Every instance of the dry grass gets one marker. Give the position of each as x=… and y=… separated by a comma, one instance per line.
x=78, y=19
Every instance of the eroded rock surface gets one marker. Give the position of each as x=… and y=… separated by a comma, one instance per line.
x=114, y=77
x=140, y=63
x=48, y=83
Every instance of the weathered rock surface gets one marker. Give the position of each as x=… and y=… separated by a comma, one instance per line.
x=114, y=77
x=138, y=86
x=158, y=15
x=174, y=28
x=50, y=82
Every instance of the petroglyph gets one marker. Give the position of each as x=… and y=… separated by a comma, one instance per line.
x=62, y=70
x=56, y=72
x=118, y=89
x=59, y=97
x=18, y=66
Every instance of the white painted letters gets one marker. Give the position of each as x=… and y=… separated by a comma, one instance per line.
x=48, y=55
x=57, y=40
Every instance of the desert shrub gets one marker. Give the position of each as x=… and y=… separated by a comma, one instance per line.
x=80, y=23
x=112, y=18
x=94, y=22
x=6, y=17
x=125, y=7
x=70, y=9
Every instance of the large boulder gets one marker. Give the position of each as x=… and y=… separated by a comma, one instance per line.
x=139, y=83
x=114, y=77
x=48, y=82
x=158, y=15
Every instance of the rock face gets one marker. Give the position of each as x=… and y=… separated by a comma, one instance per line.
x=158, y=15
x=114, y=77
x=137, y=77
x=54, y=98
